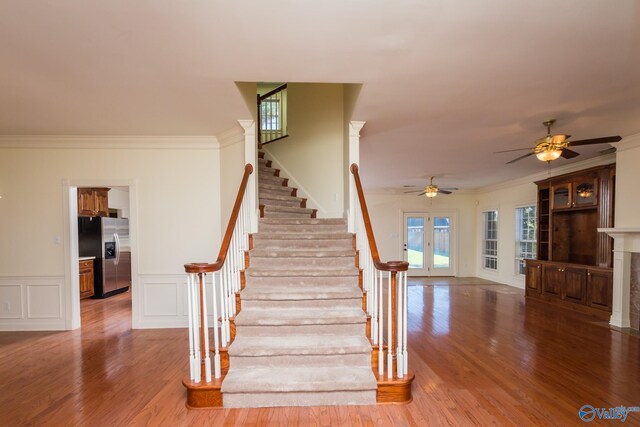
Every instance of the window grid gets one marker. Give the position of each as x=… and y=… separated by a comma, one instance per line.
x=526, y=243
x=490, y=240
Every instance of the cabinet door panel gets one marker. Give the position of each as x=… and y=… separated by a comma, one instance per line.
x=561, y=196
x=552, y=279
x=600, y=289
x=102, y=202
x=86, y=201
x=533, y=276
x=575, y=285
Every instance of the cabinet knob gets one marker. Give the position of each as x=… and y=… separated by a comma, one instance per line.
x=588, y=273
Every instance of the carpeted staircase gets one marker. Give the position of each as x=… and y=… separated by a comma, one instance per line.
x=301, y=331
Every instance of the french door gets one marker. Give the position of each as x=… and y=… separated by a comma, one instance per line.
x=428, y=243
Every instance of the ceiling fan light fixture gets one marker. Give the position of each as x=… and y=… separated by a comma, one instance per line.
x=431, y=191
x=549, y=154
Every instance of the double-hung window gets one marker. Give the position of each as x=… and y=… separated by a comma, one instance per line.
x=490, y=240
x=525, y=236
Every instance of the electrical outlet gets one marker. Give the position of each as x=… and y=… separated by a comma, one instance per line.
x=7, y=306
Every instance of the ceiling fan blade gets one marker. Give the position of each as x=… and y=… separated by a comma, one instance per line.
x=422, y=194
x=609, y=150
x=442, y=191
x=413, y=191
x=515, y=149
x=450, y=188
x=569, y=154
x=603, y=140
x=520, y=158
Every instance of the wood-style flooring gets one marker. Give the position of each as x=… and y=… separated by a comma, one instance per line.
x=480, y=353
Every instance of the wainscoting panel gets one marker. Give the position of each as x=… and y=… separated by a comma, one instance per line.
x=31, y=303
x=163, y=301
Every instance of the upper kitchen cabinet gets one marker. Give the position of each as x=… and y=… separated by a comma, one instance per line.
x=579, y=191
x=93, y=202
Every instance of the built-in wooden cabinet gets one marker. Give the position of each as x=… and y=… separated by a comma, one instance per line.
x=580, y=287
x=574, y=259
x=86, y=278
x=93, y=202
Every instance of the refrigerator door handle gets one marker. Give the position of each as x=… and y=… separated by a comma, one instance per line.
x=117, y=240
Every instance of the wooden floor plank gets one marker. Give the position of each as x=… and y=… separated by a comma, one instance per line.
x=481, y=354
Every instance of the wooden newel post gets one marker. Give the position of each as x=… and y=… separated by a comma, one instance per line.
x=393, y=345
x=203, y=353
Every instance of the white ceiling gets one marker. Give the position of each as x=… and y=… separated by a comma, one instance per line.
x=445, y=83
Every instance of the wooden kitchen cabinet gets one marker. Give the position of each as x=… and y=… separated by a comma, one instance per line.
x=599, y=289
x=533, y=276
x=93, y=202
x=86, y=278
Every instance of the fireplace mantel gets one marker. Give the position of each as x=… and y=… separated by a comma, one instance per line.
x=625, y=242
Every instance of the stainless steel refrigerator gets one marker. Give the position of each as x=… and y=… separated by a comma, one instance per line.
x=107, y=239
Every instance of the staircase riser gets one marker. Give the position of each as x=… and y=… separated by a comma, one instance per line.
x=277, y=188
x=330, y=262
x=276, y=194
x=265, y=170
x=301, y=228
x=302, y=243
x=301, y=281
x=271, y=180
x=292, y=203
x=259, y=400
x=269, y=331
x=268, y=214
x=355, y=360
x=310, y=303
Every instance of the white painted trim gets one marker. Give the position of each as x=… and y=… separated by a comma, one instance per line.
x=354, y=157
x=561, y=170
x=25, y=321
x=251, y=157
x=230, y=137
x=109, y=142
x=629, y=142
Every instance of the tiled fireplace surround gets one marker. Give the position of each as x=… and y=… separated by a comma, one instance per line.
x=626, y=277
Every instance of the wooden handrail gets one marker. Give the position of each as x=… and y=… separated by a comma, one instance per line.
x=393, y=266
x=222, y=255
x=273, y=92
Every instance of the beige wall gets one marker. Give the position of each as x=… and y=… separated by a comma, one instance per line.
x=119, y=199
x=178, y=221
x=627, y=211
x=386, y=212
x=505, y=200
x=312, y=155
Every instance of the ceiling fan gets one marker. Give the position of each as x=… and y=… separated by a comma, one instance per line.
x=432, y=190
x=551, y=147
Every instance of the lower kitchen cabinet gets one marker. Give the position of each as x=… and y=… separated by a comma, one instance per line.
x=86, y=278
x=580, y=287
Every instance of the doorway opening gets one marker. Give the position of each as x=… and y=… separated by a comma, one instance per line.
x=429, y=243
x=100, y=241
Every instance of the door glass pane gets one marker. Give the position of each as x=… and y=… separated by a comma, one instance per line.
x=415, y=242
x=441, y=242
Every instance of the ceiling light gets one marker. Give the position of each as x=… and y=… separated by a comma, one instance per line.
x=431, y=191
x=549, y=154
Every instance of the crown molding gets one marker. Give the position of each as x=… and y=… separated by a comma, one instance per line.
x=231, y=136
x=101, y=142
x=530, y=179
x=629, y=142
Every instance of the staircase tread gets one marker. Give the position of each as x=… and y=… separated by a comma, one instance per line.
x=291, y=292
x=303, y=221
x=279, y=197
x=300, y=271
x=303, y=235
x=292, y=209
x=299, y=379
x=257, y=346
x=299, y=316
x=302, y=253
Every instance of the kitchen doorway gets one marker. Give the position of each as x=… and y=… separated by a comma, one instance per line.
x=429, y=243
x=122, y=206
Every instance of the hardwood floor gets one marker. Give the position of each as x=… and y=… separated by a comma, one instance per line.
x=481, y=356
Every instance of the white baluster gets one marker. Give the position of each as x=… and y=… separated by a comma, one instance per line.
x=380, y=328
x=220, y=292
x=192, y=359
x=374, y=308
x=216, y=339
x=399, y=324
x=205, y=318
x=224, y=304
x=389, y=332
x=405, y=353
x=196, y=330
